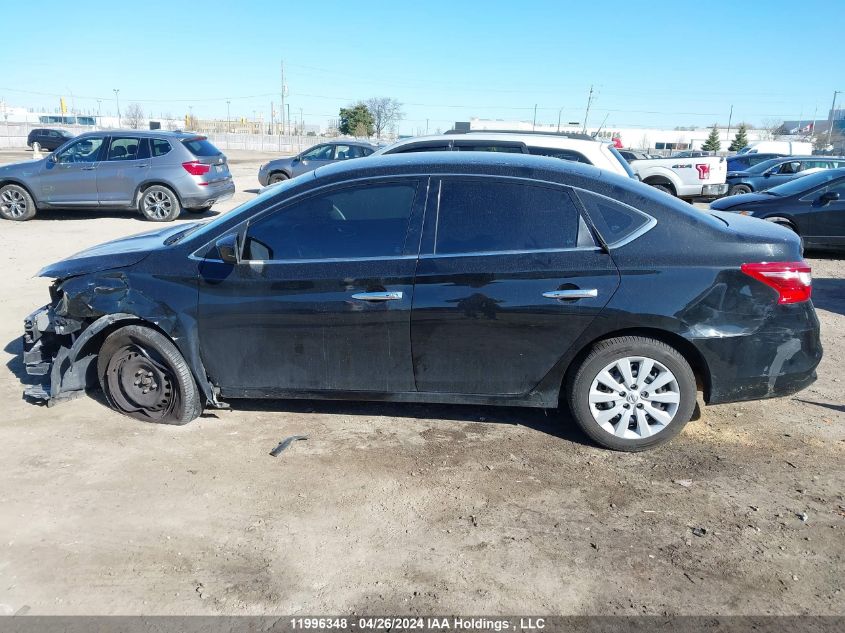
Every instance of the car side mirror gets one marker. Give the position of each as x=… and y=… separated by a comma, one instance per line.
x=52, y=158
x=829, y=196
x=228, y=248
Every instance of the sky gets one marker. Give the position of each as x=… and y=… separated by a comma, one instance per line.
x=651, y=64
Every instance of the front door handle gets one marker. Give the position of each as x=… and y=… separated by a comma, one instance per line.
x=377, y=296
x=575, y=293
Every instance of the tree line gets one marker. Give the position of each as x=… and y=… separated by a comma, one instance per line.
x=374, y=116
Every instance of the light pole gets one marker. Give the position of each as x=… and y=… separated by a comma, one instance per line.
x=117, y=101
x=558, y=119
x=228, y=117
x=100, y=112
x=832, y=114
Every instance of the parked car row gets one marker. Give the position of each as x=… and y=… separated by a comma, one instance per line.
x=432, y=274
x=157, y=173
x=776, y=171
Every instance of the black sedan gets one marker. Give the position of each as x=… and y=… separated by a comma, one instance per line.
x=472, y=278
x=812, y=206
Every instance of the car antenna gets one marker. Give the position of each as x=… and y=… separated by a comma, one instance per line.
x=596, y=133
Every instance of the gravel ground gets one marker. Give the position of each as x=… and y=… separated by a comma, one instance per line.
x=392, y=508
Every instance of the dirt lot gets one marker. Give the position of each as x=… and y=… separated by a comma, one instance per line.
x=408, y=508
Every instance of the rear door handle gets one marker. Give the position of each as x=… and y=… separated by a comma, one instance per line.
x=378, y=296
x=88, y=168
x=575, y=293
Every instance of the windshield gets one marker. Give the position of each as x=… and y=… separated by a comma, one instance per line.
x=805, y=183
x=759, y=168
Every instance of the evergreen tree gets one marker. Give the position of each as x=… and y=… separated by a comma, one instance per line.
x=712, y=144
x=356, y=120
x=740, y=140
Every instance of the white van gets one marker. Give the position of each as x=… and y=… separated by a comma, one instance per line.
x=788, y=148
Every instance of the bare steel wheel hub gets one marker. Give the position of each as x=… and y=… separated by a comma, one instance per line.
x=634, y=397
x=139, y=383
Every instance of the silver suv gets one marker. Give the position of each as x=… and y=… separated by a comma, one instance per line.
x=155, y=172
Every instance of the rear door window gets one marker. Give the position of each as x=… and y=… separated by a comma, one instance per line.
x=563, y=154
x=483, y=216
x=126, y=148
x=616, y=222
x=486, y=146
x=201, y=147
x=344, y=152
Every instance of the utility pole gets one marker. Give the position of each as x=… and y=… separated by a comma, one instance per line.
x=558, y=119
x=228, y=117
x=301, y=123
x=426, y=127
x=730, y=116
x=832, y=110
x=100, y=112
x=284, y=130
x=289, y=130
x=116, y=91
x=534, y=123
x=587, y=113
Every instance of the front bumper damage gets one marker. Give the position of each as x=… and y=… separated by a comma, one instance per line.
x=47, y=344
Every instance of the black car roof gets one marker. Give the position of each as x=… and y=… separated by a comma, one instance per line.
x=468, y=163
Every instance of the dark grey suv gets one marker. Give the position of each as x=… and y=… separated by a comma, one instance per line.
x=317, y=156
x=155, y=172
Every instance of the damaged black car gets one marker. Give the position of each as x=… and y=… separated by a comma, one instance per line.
x=440, y=277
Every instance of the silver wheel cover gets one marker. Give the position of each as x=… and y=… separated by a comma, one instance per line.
x=634, y=398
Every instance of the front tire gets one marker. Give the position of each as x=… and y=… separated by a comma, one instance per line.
x=738, y=190
x=632, y=393
x=277, y=177
x=144, y=376
x=16, y=204
x=159, y=204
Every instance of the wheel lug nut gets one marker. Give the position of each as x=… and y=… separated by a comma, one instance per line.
x=633, y=386
x=639, y=405
x=644, y=394
x=626, y=406
x=622, y=393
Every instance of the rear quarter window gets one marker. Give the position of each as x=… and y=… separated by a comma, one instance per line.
x=616, y=222
x=201, y=147
x=159, y=147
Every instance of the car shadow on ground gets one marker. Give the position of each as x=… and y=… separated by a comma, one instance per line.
x=829, y=294
x=557, y=423
x=15, y=364
x=94, y=214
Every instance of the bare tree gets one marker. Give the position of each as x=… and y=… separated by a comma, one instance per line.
x=134, y=115
x=771, y=128
x=386, y=113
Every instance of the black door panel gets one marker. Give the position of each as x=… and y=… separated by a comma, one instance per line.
x=481, y=325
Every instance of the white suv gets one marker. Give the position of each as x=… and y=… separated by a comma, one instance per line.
x=576, y=147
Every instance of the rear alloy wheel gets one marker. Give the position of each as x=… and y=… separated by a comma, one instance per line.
x=277, y=177
x=144, y=376
x=632, y=393
x=738, y=190
x=159, y=204
x=16, y=203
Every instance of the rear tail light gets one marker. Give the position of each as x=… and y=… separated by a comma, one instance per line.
x=196, y=168
x=793, y=281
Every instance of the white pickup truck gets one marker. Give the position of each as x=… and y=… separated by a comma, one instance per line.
x=701, y=177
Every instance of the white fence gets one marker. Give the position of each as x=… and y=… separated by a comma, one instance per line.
x=13, y=135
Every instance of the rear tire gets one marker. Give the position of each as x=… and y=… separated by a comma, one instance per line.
x=159, y=204
x=16, y=204
x=782, y=222
x=144, y=376
x=632, y=393
x=664, y=188
x=738, y=190
x=277, y=177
